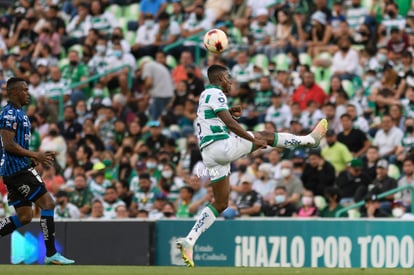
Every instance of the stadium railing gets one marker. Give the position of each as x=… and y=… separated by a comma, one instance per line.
x=93, y=78
x=380, y=196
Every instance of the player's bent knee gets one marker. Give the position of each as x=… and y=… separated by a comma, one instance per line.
x=25, y=218
x=50, y=205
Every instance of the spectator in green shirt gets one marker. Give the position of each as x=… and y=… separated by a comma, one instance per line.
x=35, y=137
x=332, y=195
x=183, y=202
x=75, y=72
x=81, y=196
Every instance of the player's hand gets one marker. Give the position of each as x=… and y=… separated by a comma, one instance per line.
x=45, y=158
x=260, y=143
x=236, y=111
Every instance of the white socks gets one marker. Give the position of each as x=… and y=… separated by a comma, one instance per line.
x=289, y=140
x=204, y=221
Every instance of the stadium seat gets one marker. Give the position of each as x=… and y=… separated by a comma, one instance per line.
x=348, y=87
x=14, y=50
x=139, y=61
x=325, y=85
x=367, y=3
x=322, y=77
x=63, y=53
x=116, y=10
x=132, y=12
x=281, y=61
x=394, y=171
x=169, y=8
x=171, y=61
x=131, y=17
x=123, y=24
x=305, y=58
x=235, y=35
x=260, y=60
x=325, y=55
x=63, y=62
x=181, y=144
x=259, y=127
x=130, y=37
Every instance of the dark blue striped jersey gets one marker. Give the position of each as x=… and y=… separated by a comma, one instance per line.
x=14, y=119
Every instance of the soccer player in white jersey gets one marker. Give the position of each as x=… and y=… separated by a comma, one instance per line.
x=222, y=140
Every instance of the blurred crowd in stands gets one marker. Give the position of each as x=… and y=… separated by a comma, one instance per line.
x=126, y=141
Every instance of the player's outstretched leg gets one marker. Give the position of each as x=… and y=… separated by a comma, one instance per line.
x=286, y=140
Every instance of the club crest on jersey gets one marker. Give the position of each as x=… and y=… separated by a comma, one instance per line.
x=24, y=190
x=15, y=126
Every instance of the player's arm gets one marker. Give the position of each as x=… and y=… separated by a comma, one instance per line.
x=15, y=149
x=233, y=125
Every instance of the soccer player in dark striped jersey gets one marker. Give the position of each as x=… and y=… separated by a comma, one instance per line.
x=17, y=167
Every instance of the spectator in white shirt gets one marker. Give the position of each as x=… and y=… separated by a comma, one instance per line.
x=388, y=138
x=120, y=78
x=197, y=22
x=279, y=113
x=261, y=31
x=242, y=72
x=355, y=15
x=345, y=62
x=392, y=19
x=102, y=20
x=78, y=27
x=146, y=35
x=64, y=209
x=36, y=86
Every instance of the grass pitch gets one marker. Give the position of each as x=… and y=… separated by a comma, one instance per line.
x=143, y=270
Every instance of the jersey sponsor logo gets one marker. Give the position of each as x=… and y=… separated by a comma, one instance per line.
x=9, y=117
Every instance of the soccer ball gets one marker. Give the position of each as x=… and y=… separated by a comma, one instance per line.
x=216, y=41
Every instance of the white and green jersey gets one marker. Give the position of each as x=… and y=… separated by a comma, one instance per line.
x=209, y=126
x=105, y=22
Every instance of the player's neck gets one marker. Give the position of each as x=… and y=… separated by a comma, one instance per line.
x=15, y=104
x=214, y=85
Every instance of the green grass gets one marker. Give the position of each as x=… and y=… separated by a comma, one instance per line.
x=142, y=270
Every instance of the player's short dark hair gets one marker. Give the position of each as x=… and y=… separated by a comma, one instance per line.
x=12, y=82
x=214, y=71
